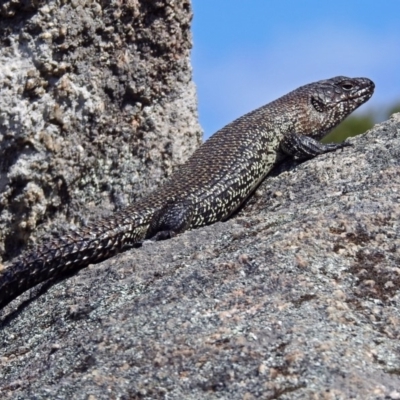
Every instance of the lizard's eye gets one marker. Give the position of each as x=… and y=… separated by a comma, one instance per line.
x=318, y=104
x=347, y=86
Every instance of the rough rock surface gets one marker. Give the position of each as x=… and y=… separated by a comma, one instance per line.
x=96, y=107
x=297, y=297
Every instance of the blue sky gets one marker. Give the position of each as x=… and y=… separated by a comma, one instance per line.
x=247, y=53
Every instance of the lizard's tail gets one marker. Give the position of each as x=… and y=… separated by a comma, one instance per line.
x=79, y=248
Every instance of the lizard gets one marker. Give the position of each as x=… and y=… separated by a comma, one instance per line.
x=215, y=181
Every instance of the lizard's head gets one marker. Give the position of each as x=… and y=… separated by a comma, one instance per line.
x=331, y=101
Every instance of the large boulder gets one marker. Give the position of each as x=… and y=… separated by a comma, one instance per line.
x=297, y=297
x=97, y=106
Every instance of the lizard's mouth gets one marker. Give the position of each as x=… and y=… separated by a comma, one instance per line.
x=364, y=93
x=363, y=97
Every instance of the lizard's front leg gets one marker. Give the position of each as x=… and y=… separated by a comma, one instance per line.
x=302, y=147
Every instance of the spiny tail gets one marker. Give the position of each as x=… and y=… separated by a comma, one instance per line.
x=90, y=244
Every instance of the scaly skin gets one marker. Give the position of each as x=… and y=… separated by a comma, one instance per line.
x=209, y=187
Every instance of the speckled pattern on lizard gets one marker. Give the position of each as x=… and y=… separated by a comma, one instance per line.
x=220, y=175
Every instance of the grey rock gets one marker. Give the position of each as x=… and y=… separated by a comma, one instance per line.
x=297, y=297
x=97, y=106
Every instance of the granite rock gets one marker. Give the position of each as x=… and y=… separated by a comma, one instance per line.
x=97, y=106
x=296, y=297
